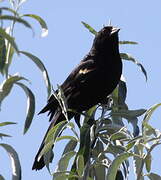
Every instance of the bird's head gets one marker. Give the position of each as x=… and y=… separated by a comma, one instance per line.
x=107, y=36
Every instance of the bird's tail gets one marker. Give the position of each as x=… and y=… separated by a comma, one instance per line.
x=39, y=163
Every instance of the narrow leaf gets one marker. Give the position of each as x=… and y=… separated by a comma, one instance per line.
x=148, y=161
x=41, y=66
x=128, y=42
x=100, y=172
x=2, y=54
x=85, y=145
x=42, y=23
x=64, y=161
x=15, y=162
x=30, y=111
x=66, y=137
x=6, y=123
x=122, y=91
x=9, y=57
x=6, y=86
x=46, y=149
x=118, y=136
x=1, y=177
x=16, y=19
x=129, y=113
x=153, y=176
x=9, y=39
x=89, y=114
x=80, y=165
x=128, y=57
x=115, y=149
x=4, y=135
x=9, y=9
x=112, y=171
x=138, y=161
x=93, y=31
x=150, y=111
x=53, y=133
x=71, y=145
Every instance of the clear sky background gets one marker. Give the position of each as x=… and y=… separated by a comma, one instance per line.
x=67, y=43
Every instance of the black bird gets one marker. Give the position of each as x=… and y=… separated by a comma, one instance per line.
x=89, y=83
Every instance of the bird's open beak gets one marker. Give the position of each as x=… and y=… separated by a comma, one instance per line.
x=115, y=30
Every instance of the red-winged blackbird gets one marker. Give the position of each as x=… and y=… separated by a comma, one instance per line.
x=90, y=82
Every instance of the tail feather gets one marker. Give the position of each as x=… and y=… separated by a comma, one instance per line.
x=39, y=163
x=51, y=106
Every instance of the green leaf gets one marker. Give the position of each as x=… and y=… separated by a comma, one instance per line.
x=6, y=86
x=133, y=142
x=9, y=59
x=55, y=131
x=93, y=31
x=10, y=39
x=85, y=145
x=89, y=178
x=66, y=137
x=42, y=23
x=150, y=111
x=109, y=129
x=50, y=139
x=111, y=174
x=71, y=145
x=130, y=145
x=4, y=135
x=64, y=161
x=15, y=162
x=46, y=149
x=148, y=161
x=128, y=42
x=128, y=57
x=1, y=177
x=16, y=19
x=2, y=54
x=10, y=10
x=80, y=165
x=6, y=123
x=118, y=136
x=129, y=113
x=115, y=97
x=30, y=111
x=138, y=161
x=115, y=149
x=148, y=129
x=41, y=66
x=48, y=157
x=89, y=114
x=153, y=176
x=100, y=171
x=122, y=92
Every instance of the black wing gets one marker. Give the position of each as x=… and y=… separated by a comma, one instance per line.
x=71, y=85
x=79, y=75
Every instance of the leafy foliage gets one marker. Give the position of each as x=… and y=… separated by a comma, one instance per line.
x=101, y=148
x=8, y=48
x=103, y=135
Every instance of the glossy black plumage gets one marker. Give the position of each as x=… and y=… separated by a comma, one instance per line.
x=90, y=82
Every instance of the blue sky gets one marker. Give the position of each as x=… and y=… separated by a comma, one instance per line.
x=67, y=43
